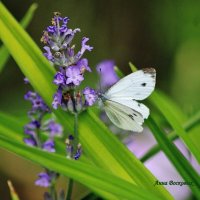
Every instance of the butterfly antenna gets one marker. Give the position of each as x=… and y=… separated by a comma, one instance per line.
x=100, y=81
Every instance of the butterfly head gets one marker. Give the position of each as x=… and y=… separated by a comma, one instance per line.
x=102, y=97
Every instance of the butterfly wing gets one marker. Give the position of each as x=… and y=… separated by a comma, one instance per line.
x=123, y=116
x=138, y=85
x=139, y=107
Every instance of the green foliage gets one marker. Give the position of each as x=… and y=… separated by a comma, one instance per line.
x=107, y=167
x=100, y=145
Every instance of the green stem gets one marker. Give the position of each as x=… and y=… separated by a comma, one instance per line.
x=69, y=189
x=53, y=191
x=75, y=131
x=172, y=136
x=70, y=185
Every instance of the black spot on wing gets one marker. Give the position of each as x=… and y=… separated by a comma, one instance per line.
x=131, y=116
x=143, y=84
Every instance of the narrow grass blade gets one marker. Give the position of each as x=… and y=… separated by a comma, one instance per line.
x=13, y=194
x=4, y=53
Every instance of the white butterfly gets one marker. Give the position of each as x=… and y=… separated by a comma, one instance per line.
x=120, y=100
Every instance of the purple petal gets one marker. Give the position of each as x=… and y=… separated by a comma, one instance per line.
x=49, y=146
x=57, y=98
x=30, y=141
x=59, y=78
x=90, y=96
x=44, y=180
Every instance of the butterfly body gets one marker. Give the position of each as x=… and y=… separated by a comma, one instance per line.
x=120, y=101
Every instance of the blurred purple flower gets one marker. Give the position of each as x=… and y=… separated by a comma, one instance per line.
x=44, y=180
x=26, y=81
x=90, y=96
x=49, y=146
x=30, y=96
x=53, y=128
x=107, y=73
x=30, y=141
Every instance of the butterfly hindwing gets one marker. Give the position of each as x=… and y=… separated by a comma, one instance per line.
x=138, y=85
x=123, y=116
x=139, y=107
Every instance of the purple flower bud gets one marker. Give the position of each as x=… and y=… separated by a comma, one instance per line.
x=30, y=141
x=59, y=78
x=84, y=47
x=78, y=152
x=44, y=180
x=26, y=81
x=38, y=103
x=90, y=96
x=30, y=96
x=74, y=75
x=48, y=53
x=49, y=146
x=33, y=125
x=65, y=20
x=107, y=73
x=83, y=65
x=51, y=29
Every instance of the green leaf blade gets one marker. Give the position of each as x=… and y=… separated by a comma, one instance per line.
x=4, y=53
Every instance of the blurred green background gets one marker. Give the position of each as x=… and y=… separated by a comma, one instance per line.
x=161, y=34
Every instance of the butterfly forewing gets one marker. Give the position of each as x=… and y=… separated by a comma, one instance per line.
x=138, y=85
